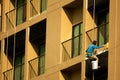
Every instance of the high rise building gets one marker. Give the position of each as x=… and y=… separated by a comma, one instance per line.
x=47, y=39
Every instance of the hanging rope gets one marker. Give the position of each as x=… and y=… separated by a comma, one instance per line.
x=6, y=53
x=93, y=32
x=93, y=27
x=14, y=49
x=14, y=43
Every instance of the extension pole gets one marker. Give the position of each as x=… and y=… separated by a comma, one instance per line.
x=93, y=74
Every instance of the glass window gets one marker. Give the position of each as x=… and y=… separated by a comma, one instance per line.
x=42, y=58
x=103, y=20
x=77, y=40
x=20, y=12
x=19, y=67
x=43, y=5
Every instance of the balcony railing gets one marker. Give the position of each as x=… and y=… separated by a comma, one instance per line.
x=34, y=7
x=68, y=50
x=16, y=73
x=16, y=16
x=99, y=33
x=36, y=66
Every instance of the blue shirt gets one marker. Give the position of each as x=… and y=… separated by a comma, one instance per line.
x=92, y=47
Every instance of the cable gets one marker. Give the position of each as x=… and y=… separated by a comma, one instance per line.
x=93, y=74
x=14, y=45
x=93, y=32
x=6, y=54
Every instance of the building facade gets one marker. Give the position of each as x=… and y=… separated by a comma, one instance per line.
x=47, y=39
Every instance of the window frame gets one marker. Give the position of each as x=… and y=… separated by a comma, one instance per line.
x=79, y=37
x=21, y=65
x=104, y=25
x=23, y=6
x=41, y=7
x=39, y=55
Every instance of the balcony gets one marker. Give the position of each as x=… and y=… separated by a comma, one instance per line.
x=14, y=50
x=34, y=7
x=36, y=66
x=100, y=33
x=37, y=7
x=69, y=49
x=16, y=73
x=16, y=16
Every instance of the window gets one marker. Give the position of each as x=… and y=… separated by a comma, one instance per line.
x=43, y=5
x=19, y=67
x=77, y=40
x=42, y=58
x=20, y=12
x=103, y=34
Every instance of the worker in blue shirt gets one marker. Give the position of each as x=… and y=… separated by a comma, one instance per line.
x=91, y=50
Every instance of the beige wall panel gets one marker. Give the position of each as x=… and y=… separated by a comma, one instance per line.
x=6, y=63
x=117, y=33
x=118, y=62
x=111, y=67
x=114, y=41
x=31, y=51
x=66, y=33
x=53, y=76
x=53, y=38
x=89, y=21
x=52, y=2
x=66, y=27
x=118, y=21
x=42, y=77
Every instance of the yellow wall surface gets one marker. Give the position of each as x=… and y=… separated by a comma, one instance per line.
x=53, y=39
x=114, y=41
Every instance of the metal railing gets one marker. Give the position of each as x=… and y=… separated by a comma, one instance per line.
x=16, y=16
x=36, y=66
x=95, y=32
x=34, y=7
x=16, y=73
x=68, y=50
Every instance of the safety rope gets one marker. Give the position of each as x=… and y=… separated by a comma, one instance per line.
x=14, y=43
x=93, y=32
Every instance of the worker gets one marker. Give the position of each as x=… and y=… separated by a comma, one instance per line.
x=91, y=53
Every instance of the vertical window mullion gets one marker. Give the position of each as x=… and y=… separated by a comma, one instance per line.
x=79, y=41
x=43, y=5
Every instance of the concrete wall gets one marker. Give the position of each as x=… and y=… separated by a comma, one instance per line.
x=114, y=41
